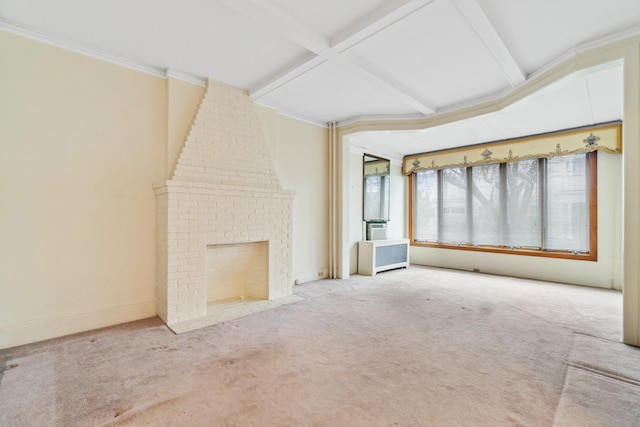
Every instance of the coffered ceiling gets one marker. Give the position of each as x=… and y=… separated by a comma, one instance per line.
x=331, y=60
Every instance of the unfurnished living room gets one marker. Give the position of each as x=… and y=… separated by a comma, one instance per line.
x=320, y=213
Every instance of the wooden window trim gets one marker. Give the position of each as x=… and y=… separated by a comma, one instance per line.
x=592, y=255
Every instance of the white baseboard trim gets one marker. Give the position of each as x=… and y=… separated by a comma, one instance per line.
x=42, y=329
x=300, y=277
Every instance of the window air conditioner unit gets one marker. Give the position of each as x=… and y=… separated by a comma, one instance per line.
x=376, y=231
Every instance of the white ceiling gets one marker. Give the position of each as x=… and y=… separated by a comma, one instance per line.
x=336, y=60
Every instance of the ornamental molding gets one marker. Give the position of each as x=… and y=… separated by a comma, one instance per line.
x=607, y=138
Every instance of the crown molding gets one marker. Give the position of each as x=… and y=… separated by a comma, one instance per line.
x=303, y=119
x=630, y=34
x=627, y=34
x=292, y=115
x=399, y=117
x=100, y=54
x=81, y=49
x=128, y=63
x=186, y=77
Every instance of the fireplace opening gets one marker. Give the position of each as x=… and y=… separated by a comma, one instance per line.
x=237, y=272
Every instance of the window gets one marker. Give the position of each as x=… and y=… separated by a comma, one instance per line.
x=427, y=207
x=544, y=206
x=376, y=197
x=567, y=201
x=376, y=188
x=454, y=204
x=524, y=222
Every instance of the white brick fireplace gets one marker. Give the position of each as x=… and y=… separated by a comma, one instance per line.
x=223, y=220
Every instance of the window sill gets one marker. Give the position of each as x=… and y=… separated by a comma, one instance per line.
x=587, y=256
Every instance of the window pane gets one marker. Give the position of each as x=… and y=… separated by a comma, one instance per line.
x=376, y=205
x=523, y=204
x=426, y=206
x=567, y=208
x=487, y=222
x=454, y=203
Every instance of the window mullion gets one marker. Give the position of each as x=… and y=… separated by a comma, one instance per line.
x=440, y=198
x=588, y=186
x=542, y=165
x=382, y=196
x=503, y=203
x=469, y=207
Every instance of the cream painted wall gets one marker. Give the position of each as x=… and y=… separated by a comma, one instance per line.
x=398, y=214
x=82, y=143
x=82, y=140
x=605, y=273
x=301, y=157
x=183, y=100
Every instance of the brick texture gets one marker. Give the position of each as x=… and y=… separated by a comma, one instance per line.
x=223, y=191
x=237, y=270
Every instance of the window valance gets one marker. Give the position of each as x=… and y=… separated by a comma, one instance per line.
x=607, y=138
x=376, y=167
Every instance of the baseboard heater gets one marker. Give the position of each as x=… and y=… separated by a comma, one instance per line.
x=381, y=255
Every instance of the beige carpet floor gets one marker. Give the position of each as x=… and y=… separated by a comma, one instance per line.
x=415, y=347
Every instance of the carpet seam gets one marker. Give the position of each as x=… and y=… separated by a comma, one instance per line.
x=603, y=374
x=564, y=383
x=597, y=338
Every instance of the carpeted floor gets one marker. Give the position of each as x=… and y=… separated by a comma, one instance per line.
x=416, y=347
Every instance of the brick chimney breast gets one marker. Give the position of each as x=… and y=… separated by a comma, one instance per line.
x=224, y=191
x=226, y=144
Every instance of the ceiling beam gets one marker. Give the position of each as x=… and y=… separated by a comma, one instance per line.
x=285, y=76
x=477, y=20
x=281, y=22
x=376, y=21
x=381, y=80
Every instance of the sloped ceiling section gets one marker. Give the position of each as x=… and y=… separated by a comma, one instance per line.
x=331, y=60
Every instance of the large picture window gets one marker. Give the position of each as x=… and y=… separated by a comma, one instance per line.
x=540, y=206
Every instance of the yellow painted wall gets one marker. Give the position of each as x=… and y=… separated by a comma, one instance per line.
x=81, y=141
x=301, y=157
